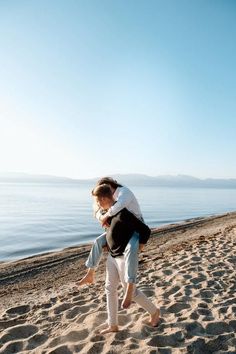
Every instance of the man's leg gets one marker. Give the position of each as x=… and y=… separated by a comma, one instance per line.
x=93, y=259
x=112, y=282
x=142, y=300
x=131, y=268
x=139, y=297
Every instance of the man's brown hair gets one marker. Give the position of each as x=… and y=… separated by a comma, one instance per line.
x=104, y=190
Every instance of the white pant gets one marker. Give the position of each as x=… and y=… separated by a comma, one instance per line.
x=115, y=274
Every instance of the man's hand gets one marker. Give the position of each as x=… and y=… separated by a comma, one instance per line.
x=141, y=247
x=103, y=220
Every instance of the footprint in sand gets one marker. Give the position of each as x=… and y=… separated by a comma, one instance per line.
x=194, y=329
x=218, y=273
x=18, y=332
x=97, y=338
x=198, y=280
x=204, y=312
x=221, y=343
x=12, y=348
x=61, y=308
x=80, y=302
x=178, y=307
x=147, y=290
x=18, y=310
x=36, y=341
x=173, y=290
x=72, y=313
x=96, y=348
x=63, y=349
x=11, y=323
x=167, y=271
x=183, y=263
x=79, y=311
x=216, y=328
x=206, y=294
x=72, y=336
x=47, y=305
x=172, y=340
x=131, y=346
x=194, y=316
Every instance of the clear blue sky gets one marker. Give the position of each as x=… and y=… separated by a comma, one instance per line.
x=91, y=88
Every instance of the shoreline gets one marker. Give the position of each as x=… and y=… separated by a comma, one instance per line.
x=187, y=268
x=182, y=224
x=84, y=242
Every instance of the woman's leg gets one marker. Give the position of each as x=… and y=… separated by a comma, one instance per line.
x=112, y=282
x=131, y=268
x=131, y=259
x=96, y=251
x=93, y=259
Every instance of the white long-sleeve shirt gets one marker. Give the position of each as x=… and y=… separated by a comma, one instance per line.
x=124, y=199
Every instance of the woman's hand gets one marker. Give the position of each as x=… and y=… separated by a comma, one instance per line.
x=103, y=220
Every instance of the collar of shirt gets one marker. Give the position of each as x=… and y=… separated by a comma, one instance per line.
x=115, y=195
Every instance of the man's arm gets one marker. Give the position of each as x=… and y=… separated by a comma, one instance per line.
x=139, y=226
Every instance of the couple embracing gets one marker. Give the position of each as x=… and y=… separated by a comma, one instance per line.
x=118, y=211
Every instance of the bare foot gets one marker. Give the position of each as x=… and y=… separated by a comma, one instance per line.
x=154, y=319
x=88, y=278
x=128, y=296
x=110, y=329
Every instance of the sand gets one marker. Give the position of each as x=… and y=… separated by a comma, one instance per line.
x=187, y=269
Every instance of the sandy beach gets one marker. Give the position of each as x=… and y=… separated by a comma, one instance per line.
x=187, y=269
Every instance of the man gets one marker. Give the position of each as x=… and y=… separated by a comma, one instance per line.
x=122, y=226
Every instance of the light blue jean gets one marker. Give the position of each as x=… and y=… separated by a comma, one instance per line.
x=130, y=256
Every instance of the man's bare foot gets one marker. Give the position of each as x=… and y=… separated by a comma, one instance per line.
x=128, y=296
x=110, y=329
x=154, y=319
x=88, y=278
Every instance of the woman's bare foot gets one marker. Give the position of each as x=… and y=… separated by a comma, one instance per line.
x=88, y=278
x=128, y=296
x=110, y=329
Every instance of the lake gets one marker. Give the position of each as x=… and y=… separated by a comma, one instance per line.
x=37, y=218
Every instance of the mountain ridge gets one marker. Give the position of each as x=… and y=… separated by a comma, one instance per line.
x=180, y=180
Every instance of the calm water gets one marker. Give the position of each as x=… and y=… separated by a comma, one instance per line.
x=36, y=218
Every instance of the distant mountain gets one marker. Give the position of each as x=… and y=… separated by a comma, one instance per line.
x=176, y=181
x=30, y=178
x=182, y=181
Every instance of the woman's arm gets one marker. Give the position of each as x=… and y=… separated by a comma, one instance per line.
x=124, y=198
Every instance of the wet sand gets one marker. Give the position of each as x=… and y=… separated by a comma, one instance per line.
x=187, y=269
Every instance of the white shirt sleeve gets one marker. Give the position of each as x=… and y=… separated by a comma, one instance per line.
x=124, y=197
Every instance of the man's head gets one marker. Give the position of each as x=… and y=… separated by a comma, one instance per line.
x=103, y=196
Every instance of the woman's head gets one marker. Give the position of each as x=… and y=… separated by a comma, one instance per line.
x=110, y=181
